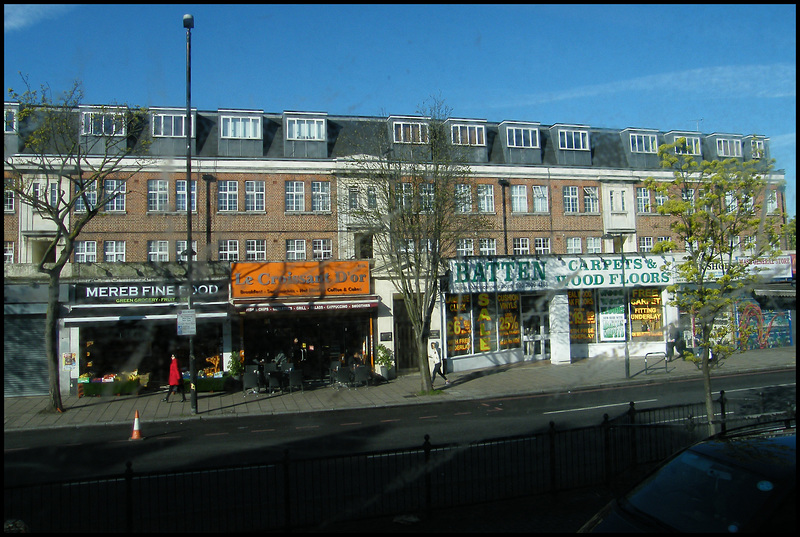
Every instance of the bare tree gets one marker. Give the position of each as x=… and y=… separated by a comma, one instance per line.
x=721, y=218
x=63, y=174
x=419, y=203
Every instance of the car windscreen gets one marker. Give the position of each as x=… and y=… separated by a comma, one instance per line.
x=694, y=493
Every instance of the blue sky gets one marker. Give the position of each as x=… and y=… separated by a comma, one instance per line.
x=718, y=68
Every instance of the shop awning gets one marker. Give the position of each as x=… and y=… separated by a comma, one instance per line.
x=323, y=305
x=107, y=313
x=783, y=291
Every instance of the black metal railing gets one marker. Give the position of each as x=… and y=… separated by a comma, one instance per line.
x=319, y=492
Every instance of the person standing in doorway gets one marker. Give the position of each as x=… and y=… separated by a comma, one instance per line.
x=438, y=367
x=175, y=380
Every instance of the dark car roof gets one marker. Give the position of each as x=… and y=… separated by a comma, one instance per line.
x=775, y=456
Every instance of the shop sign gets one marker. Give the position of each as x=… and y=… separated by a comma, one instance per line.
x=147, y=293
x=293, y=279
x=515, y=274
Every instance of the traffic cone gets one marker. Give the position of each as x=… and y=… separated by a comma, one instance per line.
x=136, y=434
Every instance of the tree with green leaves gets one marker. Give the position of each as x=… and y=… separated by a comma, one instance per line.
x=720, y=217
x=418, y=204
x=71, y=165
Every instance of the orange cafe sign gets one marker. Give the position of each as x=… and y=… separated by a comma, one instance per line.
x=299, y=278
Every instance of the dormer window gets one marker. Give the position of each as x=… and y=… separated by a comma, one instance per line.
x=757, y=148
x=104, y=123
x=306, y=129
x=468, y=134
x=522, y=137
x=691, y=147
x=408, y=132
x=644, y=143
x=729, y=147
x=573, y=139
x=170, y=124
x=240, y=127
x=10, y=120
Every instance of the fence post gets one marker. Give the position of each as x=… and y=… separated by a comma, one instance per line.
x=426, y=449
x=287, y=507
x=724, y=427
x=634, y=450
x=606, y=427
x=129, y=497
x=552, y=435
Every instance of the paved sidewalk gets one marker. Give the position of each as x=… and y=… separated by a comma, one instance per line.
x=20, y=413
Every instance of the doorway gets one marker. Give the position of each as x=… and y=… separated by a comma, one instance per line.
x=536, y=327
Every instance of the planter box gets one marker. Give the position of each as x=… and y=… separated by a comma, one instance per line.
x=110, y=388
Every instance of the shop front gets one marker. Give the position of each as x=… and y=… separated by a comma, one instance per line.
x=311, y=312
x=118, y=331
x=502, y=310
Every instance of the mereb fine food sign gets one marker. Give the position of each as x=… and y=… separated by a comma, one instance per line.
x=497, y=274
x=300, y=278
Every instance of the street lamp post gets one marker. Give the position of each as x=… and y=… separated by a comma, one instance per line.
x=622, y=237
x=188, y=23
x=504, y=184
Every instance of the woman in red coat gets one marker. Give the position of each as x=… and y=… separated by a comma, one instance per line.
x=175, y=380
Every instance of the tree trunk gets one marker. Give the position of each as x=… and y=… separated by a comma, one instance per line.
x=51, y=343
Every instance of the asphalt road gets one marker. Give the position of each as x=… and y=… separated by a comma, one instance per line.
x=66, y=453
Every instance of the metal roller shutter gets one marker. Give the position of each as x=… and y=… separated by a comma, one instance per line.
x=24, y=358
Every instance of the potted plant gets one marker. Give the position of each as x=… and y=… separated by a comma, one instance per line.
x=384, y=360
x=236, y=364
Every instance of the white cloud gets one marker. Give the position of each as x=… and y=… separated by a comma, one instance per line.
x=748, y=81
x=20, y=16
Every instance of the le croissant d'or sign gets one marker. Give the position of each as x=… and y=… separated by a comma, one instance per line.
x=299, y=279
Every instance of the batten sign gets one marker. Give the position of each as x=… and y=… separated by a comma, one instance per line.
x=300, y=278
x=492, y=274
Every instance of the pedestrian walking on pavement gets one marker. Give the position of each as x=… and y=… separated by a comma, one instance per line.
x=175, y=380
x=439, y=366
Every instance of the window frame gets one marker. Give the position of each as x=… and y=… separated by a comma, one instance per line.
x=297, y=196
x=117, y=204
x=693, y=146
x=519, y=199
x=155, y=203
x=536, y=198
x=157, y=121
x=228, y=250
x=321, y=196
x=114, y=251
x=567, y=136
x=251, y=127
x=644, y=143
x=591, y=199
x=227, y=195
x=157, y=249
x=255, y=250
x=321, y=249
x=255, y=198
x=521, y=246
x=486, y=202
x=643, y=202
x=571, y=245
x=118, y=123
x=541, y=245
x=594, y=245
x=519, y=133
x=180, y=247
x=406, y=129
x=180, y=195
x=85, y=252
x=571, y=195
x=724, y=146
x=487, y=246
x=317, y=133
x=475, y=135
x=294, y=251
x=465, y=247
